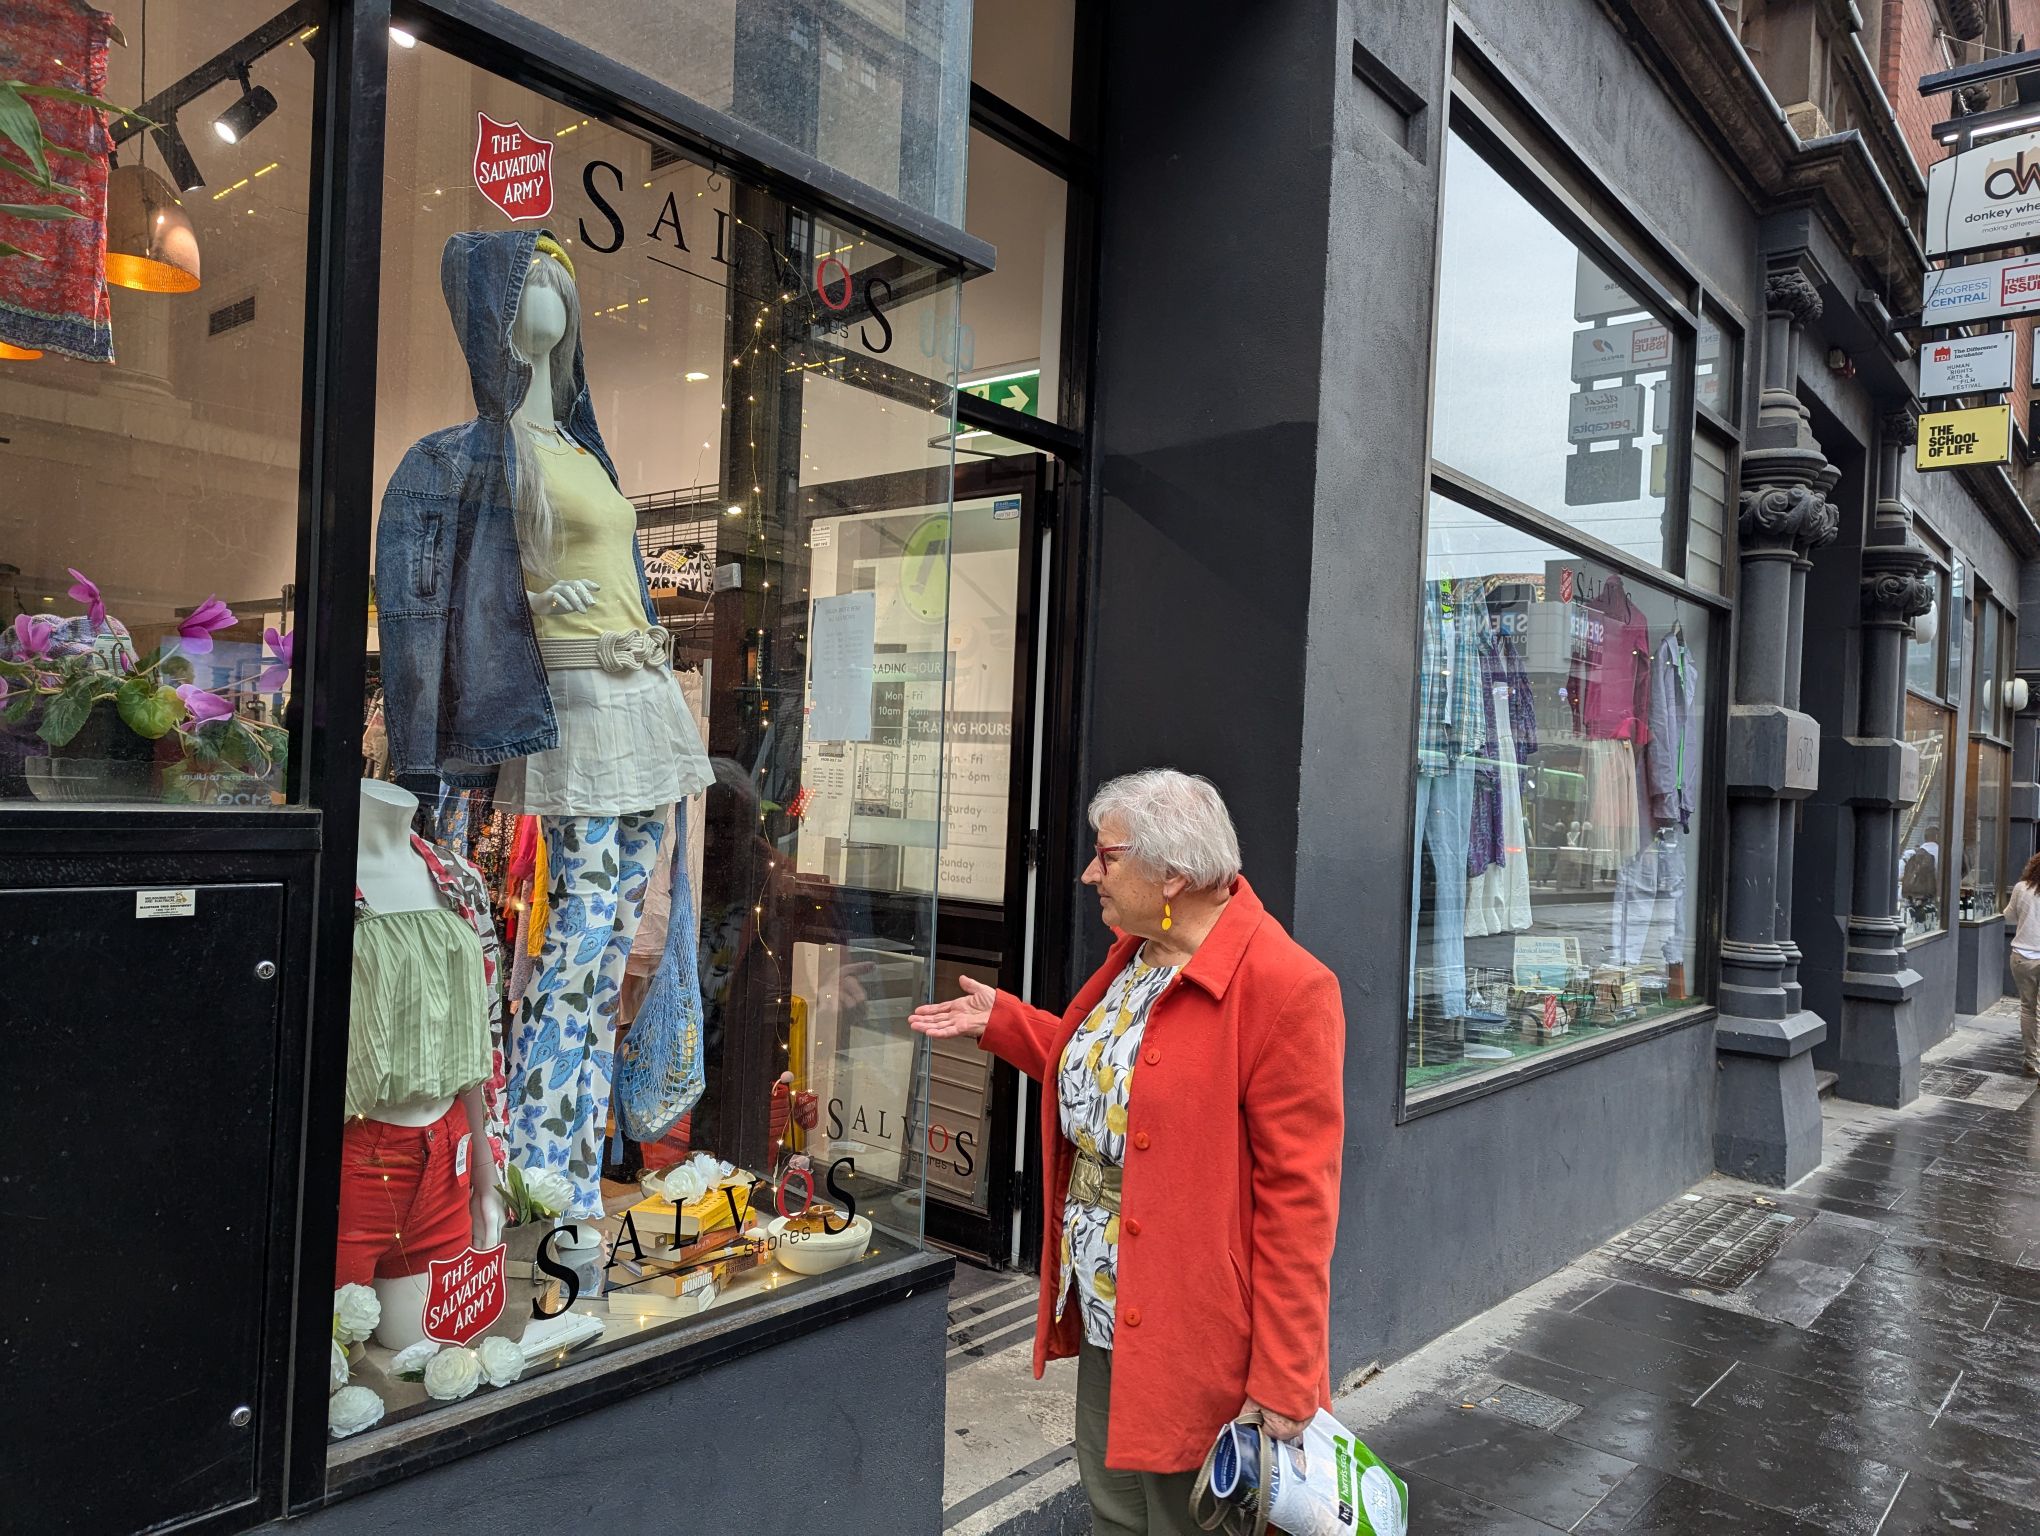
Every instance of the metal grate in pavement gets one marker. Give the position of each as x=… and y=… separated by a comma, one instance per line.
x=1700, y=1240
x=1538, y=1410
x=1951, y=1082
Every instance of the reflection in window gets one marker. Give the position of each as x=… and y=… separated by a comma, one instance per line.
x=1553, y=382
x=1983, y=831
x=1923, y=825
x=1560, y=801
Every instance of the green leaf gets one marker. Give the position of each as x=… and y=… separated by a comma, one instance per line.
x=8, y=249
x=20, y=707
x=149, y=711
x=38, y=211
x=83, y=99
x=67, y=713
x=18, y=124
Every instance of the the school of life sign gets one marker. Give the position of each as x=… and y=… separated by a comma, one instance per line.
x=1980, y=199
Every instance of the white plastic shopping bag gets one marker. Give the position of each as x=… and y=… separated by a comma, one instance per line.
x=1327, y=1483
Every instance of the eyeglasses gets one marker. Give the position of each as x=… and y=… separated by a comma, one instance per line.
x=1103, y=850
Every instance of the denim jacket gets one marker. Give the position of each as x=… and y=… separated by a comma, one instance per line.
x=463, y=686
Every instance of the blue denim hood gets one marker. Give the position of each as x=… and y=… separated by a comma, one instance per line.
x=463, y=686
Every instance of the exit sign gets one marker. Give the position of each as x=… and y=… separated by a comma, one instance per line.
x=1016, y=391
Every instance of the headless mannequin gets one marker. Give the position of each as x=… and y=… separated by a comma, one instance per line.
x=392, y=878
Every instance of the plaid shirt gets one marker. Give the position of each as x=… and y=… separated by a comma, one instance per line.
x=1451, y=719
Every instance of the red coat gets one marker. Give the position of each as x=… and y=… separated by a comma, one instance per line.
x=1230, y=1199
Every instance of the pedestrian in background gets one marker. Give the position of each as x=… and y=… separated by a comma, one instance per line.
x=1191, y=1137
x=2022, y=924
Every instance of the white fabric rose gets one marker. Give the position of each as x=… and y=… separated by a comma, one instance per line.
x=452, y=1374
x=413, y=1357
x=351, y=1410
x=549, y=1190
x=356, y=1311
x=502, y=1360
x=339, y=1366
x=687, y=1182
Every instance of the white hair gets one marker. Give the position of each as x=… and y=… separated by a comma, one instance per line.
x=538, y=531
x=1176, y=823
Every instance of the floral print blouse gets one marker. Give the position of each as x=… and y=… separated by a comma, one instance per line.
x=1093, y=1085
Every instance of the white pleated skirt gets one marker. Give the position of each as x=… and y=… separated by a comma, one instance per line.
x=627, y=743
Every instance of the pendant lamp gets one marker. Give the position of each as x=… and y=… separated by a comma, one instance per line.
x=149, y=240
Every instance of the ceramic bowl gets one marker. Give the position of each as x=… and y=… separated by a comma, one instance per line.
x=820, y=1252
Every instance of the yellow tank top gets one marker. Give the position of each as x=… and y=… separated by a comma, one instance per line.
x=598, y=536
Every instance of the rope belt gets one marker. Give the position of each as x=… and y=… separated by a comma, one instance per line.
x=618, y=650
x=1096, y=1183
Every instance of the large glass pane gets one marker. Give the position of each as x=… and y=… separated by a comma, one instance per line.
x=1983, y=831
x=879, y=89
x=148, y=532
x=1553, y=381
x=1012, y=340
x=1958, y=627
x=1561, y=801
x=1923, y=825
x=1923, y=650
x=1985, y=701
x=624, y=665
x=1020, y=51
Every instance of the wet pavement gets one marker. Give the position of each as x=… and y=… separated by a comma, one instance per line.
x=1877, y=1372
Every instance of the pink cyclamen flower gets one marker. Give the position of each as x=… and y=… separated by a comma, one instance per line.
x=203, y=706
x=275, y=677
x=197, y=630
x=86, y=591
x=33, y=635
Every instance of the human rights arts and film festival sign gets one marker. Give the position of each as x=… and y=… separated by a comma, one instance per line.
x=1985, y=197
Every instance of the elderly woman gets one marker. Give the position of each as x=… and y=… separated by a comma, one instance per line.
x=1191, y=1151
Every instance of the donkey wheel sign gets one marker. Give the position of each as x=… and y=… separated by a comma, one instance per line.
x=513, y=169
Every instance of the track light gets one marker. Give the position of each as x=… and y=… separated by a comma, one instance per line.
x=247, y=114
x=184, y=172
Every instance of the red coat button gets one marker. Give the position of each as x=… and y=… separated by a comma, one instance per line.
x=1133, y=1317
x=1132, y=1227
x=1153, y=1056
x=1140, y=1139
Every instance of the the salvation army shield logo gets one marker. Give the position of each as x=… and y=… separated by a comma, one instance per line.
x=464, y=1295
x=513, y=170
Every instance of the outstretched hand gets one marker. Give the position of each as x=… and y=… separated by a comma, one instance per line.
x=966, y=1015
x=574, y=595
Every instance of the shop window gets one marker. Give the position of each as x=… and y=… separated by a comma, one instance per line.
x=1562, y=795
x=1987, y=702
x=895, y=121
x=1923, y=825
x=1983, y=831
x=1927, y=650
x=1012, y=338
x=149, y=408
x=628, y=1047
x=1958, y=626
x=1553, y=374
x=1717, y=367
x=1020, y=51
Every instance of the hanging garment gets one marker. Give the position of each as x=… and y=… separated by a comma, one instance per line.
x=1444, y=803
x=1516, y=707
x=54, y=298
x=1449, y=707
x=1614, y=830
x=1498, y=898
x=1672, y=759
x=1651, y=891
x=1608, y=682
x=562, y=1052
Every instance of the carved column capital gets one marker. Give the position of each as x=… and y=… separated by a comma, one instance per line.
x=1901, y=426
x=1895, y=597
x=1776, y=515
x=1790, y=293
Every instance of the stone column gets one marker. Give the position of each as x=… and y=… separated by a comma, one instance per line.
x=1878, y=1054
x=1767, y=1112
x=1823, y=523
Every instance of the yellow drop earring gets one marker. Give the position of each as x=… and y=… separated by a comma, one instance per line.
x=1168, y=922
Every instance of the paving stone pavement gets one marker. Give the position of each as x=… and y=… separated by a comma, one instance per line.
x=1878, y=1374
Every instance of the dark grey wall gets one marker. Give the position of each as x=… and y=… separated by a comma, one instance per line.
x=1934, y=1003
x=852, y=1415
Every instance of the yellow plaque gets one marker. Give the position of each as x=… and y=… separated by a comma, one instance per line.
x=1951, y=439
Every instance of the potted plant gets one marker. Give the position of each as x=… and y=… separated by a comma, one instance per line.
x=90, y=710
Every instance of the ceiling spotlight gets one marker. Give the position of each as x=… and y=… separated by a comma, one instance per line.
x=247, y=114
x=184, y=172
x=402, y=38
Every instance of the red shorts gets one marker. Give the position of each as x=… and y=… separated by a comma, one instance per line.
x=403, y=1197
